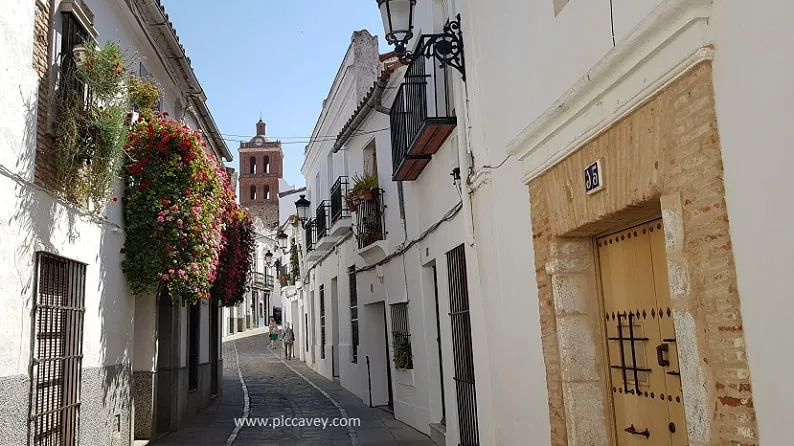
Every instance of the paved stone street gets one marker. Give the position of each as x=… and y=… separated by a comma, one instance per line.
x=276, y=389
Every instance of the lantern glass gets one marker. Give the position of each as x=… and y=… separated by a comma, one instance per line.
x=282, y=240
x=269, y=258
x=302, y=207
x=397, y=16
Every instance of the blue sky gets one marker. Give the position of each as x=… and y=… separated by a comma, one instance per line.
x=276, y=58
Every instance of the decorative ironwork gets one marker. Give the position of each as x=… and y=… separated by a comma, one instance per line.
x=370, y=222
x=446, y=47
x=322, y=221
x=339, y=208
x=463, y=357
x=56, y=368
x=322, y=321
x=623, y=367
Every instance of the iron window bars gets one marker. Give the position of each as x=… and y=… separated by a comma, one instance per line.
x=351, y=274
x=463, y=357
x=338, y=192
x=401, y=336
x=56, y=366
x=322, y=321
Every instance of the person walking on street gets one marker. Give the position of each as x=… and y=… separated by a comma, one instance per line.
x=273, y=329
x=288, y=338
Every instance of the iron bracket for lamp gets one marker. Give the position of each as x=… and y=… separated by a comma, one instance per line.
x=446, y=47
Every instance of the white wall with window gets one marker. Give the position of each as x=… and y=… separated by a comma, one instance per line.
x=36, y=222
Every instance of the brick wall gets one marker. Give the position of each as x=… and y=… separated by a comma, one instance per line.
x=45, y=174
x=667, y=148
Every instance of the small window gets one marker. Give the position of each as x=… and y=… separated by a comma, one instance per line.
x=266, y=192
x=351, y=272
x=56, y=370
x=253, y=192
x=266, y=164
x=401, y=337
x=253, y=165
x=72, y=34
x=322, y=321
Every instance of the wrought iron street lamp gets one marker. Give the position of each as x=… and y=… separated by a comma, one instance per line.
x=269, y=258
x=281, y=238
x=398, y=22
x=302, y=206
x=446, y=47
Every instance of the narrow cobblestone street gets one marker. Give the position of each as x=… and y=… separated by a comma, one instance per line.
x=277, y=388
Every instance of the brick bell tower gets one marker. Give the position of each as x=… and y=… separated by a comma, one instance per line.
x=261, y=169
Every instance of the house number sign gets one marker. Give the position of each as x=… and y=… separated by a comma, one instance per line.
x=593, y=178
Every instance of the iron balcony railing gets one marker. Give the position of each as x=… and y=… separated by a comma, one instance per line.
x=422, y=115
x=258, y=279
x=311, y=235
x=370, y=223
x=322, y=220
x=338, y=192
x=268, y=281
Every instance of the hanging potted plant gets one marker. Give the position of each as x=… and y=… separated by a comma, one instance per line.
x=365, y=186
x=350, y=199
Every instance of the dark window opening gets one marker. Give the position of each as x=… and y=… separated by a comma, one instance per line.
x=73, y=34
x=353, y=312
x=401, y=334
x=253, y=165
x=322, y=322
x=266, y=164
x=193, y=346
x=266, y=192
x=253, y=192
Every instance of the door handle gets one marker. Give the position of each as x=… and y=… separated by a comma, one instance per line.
x=633, y=431
x=661, y=349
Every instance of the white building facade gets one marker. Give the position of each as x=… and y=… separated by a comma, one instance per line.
x=386, y=280
x=114, y=359
x=603, y=138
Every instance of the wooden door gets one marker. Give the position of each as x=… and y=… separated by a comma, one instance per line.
x=643, y=359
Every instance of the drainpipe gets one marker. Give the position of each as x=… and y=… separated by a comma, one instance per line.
x=466, y=167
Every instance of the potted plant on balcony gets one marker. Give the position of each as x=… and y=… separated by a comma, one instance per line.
x=144, y=96
x=364, y=186
x=350, y=200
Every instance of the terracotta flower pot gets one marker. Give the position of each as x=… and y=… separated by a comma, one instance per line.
x=351, y=206
x=368, y=195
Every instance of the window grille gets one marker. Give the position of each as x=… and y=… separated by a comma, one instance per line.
x=401, y=334
x=322, y=321
x=72, y=33
x=463, y=357
x=56, y=368
x=353, y=312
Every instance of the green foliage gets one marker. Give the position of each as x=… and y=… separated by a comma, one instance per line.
x=143, y=93
x=103, y=71
x=294, y=262
x=363, y=183
x=174, y=208
x=403, y=357
x=90, y=131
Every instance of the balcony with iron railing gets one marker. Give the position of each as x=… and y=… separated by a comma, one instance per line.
x=340, y=213
x=261, y=280
x=371, y=227
x=312, y=253
x=422, y=116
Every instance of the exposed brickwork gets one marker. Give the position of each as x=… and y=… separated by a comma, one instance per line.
x=668, y=146
x=542, y=239
x=45, y=174
x=268, y=171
